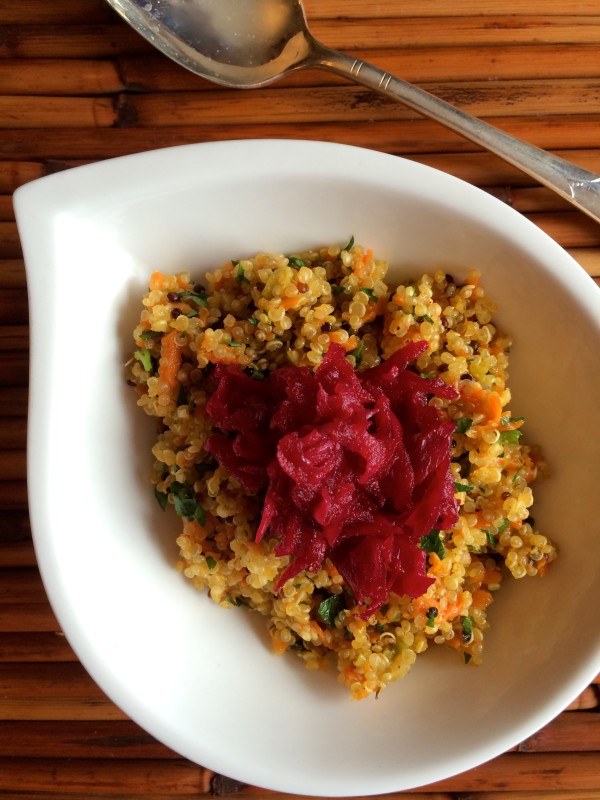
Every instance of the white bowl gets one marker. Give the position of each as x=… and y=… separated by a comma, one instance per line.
x=199, y=678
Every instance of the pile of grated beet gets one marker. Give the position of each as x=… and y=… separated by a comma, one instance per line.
x=356, y=466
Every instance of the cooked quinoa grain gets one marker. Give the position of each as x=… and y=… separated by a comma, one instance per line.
x=274, y=310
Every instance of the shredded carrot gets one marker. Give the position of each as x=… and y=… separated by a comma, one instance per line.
x=422, y=604
x=542, y=566
x=291, y=302
x=365, y=259
x=170, y=361
x=375, y=310
x=437, y=568
x=351, y=674
x=451, y=611
x=279, y=646
x=493, y=406
x=482, y=598
x=481, y=401
x=336, y=336
x=157, y=280
x=491, y=576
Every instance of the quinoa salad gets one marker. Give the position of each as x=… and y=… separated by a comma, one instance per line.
x=342, y=454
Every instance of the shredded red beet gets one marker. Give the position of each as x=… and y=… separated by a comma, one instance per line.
x=356, y=467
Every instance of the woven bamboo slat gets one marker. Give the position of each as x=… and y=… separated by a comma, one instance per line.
x=67, y=112
x=12, y=274
x=94, y=11
x=15, y=173
x=350, y=103
x=424, y=64
x=82, y=777
x=17, y=554
x=59, y=148
x=59, y=77
x=13, y=401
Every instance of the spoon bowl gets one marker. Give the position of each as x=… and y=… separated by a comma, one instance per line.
x=250, y=43
x=235, y=43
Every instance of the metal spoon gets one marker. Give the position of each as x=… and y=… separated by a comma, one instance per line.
x=250, y=43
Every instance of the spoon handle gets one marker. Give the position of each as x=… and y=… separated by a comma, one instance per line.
x=579, y=186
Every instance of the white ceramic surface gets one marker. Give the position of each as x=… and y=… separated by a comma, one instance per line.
x=198, y=677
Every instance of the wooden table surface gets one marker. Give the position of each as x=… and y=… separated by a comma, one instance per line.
x=77, y=85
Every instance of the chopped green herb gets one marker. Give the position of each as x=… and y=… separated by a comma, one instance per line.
x=463, y=487
x=252, y=320
x=432, y=543
x=234, y=262
x=507, y=420
x=517, y=473
x=510, y=437
x=161, y=498
x=380, y=627
x=185, y=504
x=504, y=526
x=192, y=313
x=431, y=615
x=357, y=353
x=337, y=289
x=350, y=244
x=330, y=608
x=424, y=317
x=293, y=261
x=467, y=657
x=258, y=375
x=211, y=563
x=232, y=601
x=150, y=334
x=370, y=294
x=463, y=425
x=145, y=359
x=235, y=344
x=491, y=538
x=467, y=626
x=195, y=297
x=240, y=275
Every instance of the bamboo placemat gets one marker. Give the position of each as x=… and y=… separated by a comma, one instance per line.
x=77, y=85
